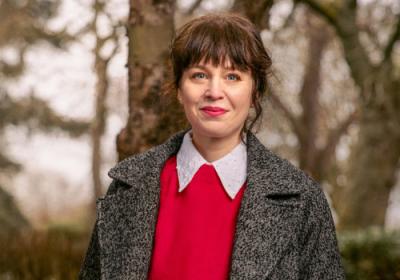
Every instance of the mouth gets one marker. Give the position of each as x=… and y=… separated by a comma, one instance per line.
x=213, y=111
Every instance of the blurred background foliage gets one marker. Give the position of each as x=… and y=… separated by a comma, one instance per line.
x=371, y=254
x=333, y=109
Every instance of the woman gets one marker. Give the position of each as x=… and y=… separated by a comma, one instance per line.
x=212, y=202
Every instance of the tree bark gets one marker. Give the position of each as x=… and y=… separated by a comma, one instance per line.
x=152, y=116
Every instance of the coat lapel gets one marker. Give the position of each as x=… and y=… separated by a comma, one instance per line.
x=266, y=223
x=269, y=214
x=127, y=220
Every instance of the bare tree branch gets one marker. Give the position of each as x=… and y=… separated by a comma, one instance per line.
x=194, y=7
x=36, y=113
x=352, y=4
x=8, y=164
x=256, y=11
x=290, y=17
x=334, y=137
x=395, y=36
x=345, y=24
x=373, y=39
x=326, y=13
x=289, y=115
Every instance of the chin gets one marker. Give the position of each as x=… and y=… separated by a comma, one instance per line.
x=215, y=132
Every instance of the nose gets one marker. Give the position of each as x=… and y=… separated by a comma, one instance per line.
x=215, y=89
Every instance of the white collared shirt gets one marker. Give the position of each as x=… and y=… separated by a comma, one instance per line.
x=231, y=168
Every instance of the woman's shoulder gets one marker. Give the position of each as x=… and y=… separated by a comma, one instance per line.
x=262, y=157
x=133, y=169
x=283, y=175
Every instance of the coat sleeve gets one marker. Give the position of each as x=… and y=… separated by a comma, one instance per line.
x=320, y=257
x=91, y=268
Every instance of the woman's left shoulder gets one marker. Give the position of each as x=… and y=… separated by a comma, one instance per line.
x=285, y=175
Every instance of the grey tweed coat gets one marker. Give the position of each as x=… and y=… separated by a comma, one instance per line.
x=284, y=227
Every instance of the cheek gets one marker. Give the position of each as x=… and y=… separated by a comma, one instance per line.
x=187, y=103
x=181, y=96
x=245, y=100
x=188, y=96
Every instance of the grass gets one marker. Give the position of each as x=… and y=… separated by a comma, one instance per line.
x=52, y=254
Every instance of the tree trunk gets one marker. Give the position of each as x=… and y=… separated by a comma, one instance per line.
x=374, y=159
x=152, y=117
x=11, y=219
x=98, y=124
x=101, y=63
x=309, y=99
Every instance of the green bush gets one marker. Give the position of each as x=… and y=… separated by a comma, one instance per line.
x=371, y=254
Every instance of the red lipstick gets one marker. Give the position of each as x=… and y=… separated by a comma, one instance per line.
x=213, y=111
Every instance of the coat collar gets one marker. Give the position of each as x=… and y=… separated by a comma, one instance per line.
x=133, y=168
x=266, y=223
x=261, y=163
x=231, y=168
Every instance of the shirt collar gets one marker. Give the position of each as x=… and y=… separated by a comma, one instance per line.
x=231, y=168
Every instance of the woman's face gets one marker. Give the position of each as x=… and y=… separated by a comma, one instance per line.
x=216, y=99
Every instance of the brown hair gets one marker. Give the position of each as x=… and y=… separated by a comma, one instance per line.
x=216, y=37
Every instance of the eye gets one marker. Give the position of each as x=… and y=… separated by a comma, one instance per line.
x=199, y=75
x=233, y=77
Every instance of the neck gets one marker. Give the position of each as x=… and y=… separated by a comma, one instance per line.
x=214, y=148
